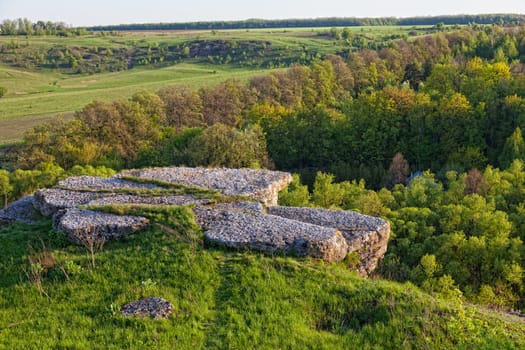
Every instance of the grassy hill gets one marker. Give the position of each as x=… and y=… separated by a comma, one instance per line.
x=36, y=96
x=52, y=298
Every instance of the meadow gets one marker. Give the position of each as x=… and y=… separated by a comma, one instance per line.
x=35, y=97
x=52, y=297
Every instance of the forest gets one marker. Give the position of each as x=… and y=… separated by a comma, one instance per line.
x=426, y=132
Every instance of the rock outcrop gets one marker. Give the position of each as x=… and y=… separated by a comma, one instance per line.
x=244, y=229
x=261, y=185
x=236, y=223
x=366, y=235
x=154, y=307
x=21, y=210
x=87, y=227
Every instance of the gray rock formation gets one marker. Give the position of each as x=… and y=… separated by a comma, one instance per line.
x=241, y=229
x=101, y=184
x=49, y=201
x=144, y=200
x=156, y=308
x=22, y=210
x=320, y=233
x=366, y=235
x=87, y=227
x=261, y=185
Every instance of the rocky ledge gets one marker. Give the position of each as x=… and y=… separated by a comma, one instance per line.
x=242, y=227
x=239, y=224
x=261, y=185
x=366, y=235
x=88, y=228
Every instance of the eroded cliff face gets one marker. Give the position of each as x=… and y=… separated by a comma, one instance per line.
x=248, y=219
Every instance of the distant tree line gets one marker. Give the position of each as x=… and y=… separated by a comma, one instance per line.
x=321, y=22
x=23, y=26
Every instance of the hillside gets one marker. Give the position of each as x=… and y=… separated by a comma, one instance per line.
x=222, y=299
x=56, y=294
x=47, y=75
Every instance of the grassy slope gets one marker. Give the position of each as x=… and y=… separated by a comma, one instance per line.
x=35, y=96
x=222, y=299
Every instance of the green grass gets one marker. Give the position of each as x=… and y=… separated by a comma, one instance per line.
x=33, y=97
x=222, y=300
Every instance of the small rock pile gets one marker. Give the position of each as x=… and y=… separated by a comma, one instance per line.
x=260, y=225
x=154, y=307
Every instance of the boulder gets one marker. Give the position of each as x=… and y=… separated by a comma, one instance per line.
x=49, y=201
x=261, y=185
x=271, y=234
x=21, y=210
x=364, y=234
x=154, y=307
x=87, y=227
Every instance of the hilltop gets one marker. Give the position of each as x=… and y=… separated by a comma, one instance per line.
x=58, y=295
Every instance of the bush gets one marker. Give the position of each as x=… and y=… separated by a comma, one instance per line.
x=3, y=91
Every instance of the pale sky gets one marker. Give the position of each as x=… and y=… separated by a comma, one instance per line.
x=95, y=12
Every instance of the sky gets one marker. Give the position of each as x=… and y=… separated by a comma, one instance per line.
x=100, y=12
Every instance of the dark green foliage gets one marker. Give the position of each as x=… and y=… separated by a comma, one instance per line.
x=3, y=91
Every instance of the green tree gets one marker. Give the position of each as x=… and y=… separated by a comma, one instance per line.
x=5, y=186
x=326, y=193
x=295, y=195
x=223, y=146
x=514, y=148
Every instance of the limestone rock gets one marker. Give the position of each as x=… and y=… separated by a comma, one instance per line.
x=156, y=308
x=21, y=210
x=261, y=185
x=86, y=227
x=271, y=234
x=49, y=201
x=144, y=200
x=101, y=184
x=364, y=234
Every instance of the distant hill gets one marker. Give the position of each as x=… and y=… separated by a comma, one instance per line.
x=321, y=22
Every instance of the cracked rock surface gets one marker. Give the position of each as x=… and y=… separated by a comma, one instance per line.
x=272, y=234
x=364, y=234
x=87, y=227
x=261, y=185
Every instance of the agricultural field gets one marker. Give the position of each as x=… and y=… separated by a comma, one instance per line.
x=50, y=75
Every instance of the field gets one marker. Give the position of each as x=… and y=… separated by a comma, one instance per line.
x=51, y=75
x=37, y=96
